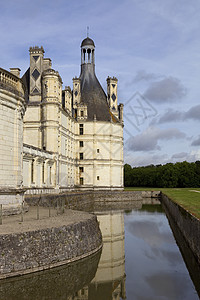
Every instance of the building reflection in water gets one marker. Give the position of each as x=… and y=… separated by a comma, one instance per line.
x=58, y=283
x=109, y=281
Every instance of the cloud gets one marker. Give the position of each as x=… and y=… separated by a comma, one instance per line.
x=193, y=113
x=196, y=142
x=181, y=155
x=148, y=140
x=171, y=116
x=184, y=156
x=176, y=116
x=157, y=159
x=165, y=90
x=145, y=160
x=143, y=75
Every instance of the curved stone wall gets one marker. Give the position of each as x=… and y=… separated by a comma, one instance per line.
x=57, y=283
x=51, y=242
x=12, y=109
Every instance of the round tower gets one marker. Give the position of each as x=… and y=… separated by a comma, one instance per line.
x=12, y=109
x=51, y=102
x=100, y=157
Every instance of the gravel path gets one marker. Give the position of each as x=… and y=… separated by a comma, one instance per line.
x=13, y=224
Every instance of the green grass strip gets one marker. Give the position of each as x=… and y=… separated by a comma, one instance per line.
x=188, y=198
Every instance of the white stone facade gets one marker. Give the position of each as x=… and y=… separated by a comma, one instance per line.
x=71, y=139
x=12, y=108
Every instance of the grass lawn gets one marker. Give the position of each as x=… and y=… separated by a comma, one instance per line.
x=186, y=197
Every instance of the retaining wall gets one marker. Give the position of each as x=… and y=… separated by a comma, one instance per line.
x=44, y=248
x=187, y=223
x=70, y=199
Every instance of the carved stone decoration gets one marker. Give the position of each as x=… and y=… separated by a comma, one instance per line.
x=35, y=74
x=36, y=57
x=113, y=97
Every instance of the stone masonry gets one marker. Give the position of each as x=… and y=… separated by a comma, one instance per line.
x=48, y=243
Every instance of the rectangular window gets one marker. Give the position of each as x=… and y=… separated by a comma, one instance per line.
x=43, y=166
x=81, y=180
x=98, y=178
x=81, y=129
x=81, y=155
x=82, y=114
x=97, y=150
x=32, y=171
x=50, y=182
x=81, y=169
x=81, y=143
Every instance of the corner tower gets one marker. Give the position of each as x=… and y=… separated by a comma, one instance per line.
x=100, y=130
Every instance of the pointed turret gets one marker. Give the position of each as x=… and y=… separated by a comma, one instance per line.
x=92, y=94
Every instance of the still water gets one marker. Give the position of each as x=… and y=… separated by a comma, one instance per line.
x=140, y=260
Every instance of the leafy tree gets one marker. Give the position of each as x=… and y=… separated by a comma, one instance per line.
x=180, y=174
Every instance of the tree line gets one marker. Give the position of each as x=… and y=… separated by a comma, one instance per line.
x=178, y=175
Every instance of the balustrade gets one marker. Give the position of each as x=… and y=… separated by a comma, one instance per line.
x=10, y=82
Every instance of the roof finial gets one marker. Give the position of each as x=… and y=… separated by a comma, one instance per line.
x=87, y=31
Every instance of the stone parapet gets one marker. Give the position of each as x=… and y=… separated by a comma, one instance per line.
x=11, y=201
x=11, y=83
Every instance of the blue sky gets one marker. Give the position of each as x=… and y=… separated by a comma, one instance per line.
x=151, y=46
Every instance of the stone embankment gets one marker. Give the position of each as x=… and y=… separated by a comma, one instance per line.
x=50, y=242
x=38, y=245
x=72, y=198
x=188, y=224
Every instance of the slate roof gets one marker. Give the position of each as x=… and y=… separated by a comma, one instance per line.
x=94, y=96
x=26, y=81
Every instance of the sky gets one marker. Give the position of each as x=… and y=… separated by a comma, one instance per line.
x=151, y=46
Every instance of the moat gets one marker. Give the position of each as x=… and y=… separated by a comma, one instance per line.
x=140, y=260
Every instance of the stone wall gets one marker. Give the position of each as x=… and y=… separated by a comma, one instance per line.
x=39, y=249
x=72, y=199
x=12, y=108
x=187, y=223
x=57, y=283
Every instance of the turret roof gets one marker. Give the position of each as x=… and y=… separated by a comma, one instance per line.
x=87, y=42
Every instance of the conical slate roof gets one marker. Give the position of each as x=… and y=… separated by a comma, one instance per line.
x=93, y=95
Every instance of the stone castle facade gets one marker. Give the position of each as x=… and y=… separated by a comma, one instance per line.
x=53, y=140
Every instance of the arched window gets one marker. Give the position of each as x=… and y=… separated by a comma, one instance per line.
x=89, y=55
x=84, y=51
